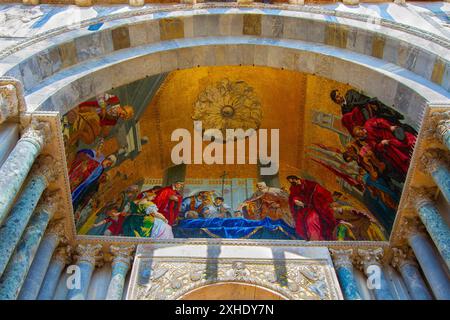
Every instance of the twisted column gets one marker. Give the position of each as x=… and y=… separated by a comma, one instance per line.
x=15, y=224
x=404, y=261
x=120, y=266
x=428, y=259
x=370, y=261
x=344, y=268
x=53, y=237
x=435, y=162
x=88, y=257
x=16, y=167
x=53, y=274
x=422, y=200
x=20, y=262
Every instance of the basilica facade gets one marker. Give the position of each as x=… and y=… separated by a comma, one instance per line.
x=284, y=150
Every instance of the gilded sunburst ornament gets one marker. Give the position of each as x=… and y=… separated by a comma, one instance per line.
x=228, y=105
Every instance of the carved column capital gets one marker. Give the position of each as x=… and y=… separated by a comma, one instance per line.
x=89, y=253
x=11, y=98
x=47, y=167
x=402, y=256
x=122, y=253
x=50, y=202
x=442, y=129
x=433, y=158
x=37, y=132
x=342, y=258
x=433, y=121
x=418, y=196
x=369, y=257
x=410, y=227
x=63, y=254
x=56, y=229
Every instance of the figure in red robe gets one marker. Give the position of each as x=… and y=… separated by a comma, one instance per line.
x=168, y=200
x=310, y=206
x=381, y=136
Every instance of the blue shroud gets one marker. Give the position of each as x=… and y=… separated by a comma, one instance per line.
x=234, y=228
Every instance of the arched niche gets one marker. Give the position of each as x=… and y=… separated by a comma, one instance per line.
x=232, y=291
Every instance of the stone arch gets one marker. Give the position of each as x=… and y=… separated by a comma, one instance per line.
x=232, y=291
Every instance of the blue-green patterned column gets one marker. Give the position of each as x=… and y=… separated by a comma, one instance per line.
x=120, y=266
x=426, y=254
x=344, y=269
x=443, y=132
x=88, y=257
x=15, y=169
x=436, y=163
x=38, y=269
x=370, y=260
x=60, y=259
x=433, y=221
x=15, y=224
x=14, y=275
x=403, y=260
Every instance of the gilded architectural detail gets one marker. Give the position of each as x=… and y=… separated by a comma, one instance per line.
x=37, y=132
x=411, y=226
x=433, y=158
x=172, y=278
x=56, y=228
x=418, y=196
x=122, y=253
x=228, y=105
x=368, y=257
x=434, y=121
x=342, y=257
x=90, y=253
x=46, y=166
x=402, y=256
x=63, y=254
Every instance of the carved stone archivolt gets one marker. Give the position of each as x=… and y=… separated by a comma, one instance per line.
x=171, y=278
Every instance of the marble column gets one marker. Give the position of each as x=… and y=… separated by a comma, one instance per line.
x=15, y=224
x=15, y=273
x=433, y=221
x=344, y=268
x=370, y=261
x=428, y=258
x=89, y=256
x=53, y=237
x=16, y=167
x=60, y=258
x=436, y=162
x=120, y=266
x=404, y=261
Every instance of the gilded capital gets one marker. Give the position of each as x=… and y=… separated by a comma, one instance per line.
x=410, y=227
x=433, y=121
x=402, y=256
x=47, y=167
x=442, y=129
x=50, y=202
x=122, y=253
x=56, y=229
x=63, y=254
x=419, y=196
x=369, y=257
x=89, y=253
x=37, y=133
x=433, y=158
x=342, y=258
